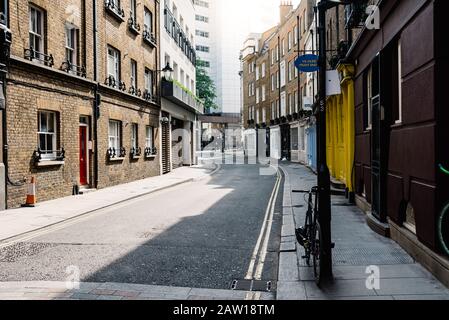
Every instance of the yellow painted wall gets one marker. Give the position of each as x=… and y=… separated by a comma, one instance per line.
x=340, y=127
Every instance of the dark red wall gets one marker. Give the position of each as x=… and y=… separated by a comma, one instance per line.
x=412, y=150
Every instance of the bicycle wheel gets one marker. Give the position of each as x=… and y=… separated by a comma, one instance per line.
x=317, y=253
x=443, y=229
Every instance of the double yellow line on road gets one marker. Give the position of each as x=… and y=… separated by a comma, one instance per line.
x=261, y=248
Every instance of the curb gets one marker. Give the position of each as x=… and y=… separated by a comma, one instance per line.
x=11, y=240
x=288, y=287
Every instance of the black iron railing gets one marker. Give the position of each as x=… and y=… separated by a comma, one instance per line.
x=56, y=155
x=148, y=96
x=136, y=152
x=132, y=24
x=111, y=82
x=69, y=67
x=113, y=153
x=174, y=29
x=134, y=91
x=113, y=7
x=149, y=36
x=150, y=151
x=46, y=59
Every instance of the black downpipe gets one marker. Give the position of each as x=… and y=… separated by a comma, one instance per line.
x=96, y=103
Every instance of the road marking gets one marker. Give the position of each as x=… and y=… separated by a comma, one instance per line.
x=260, y=250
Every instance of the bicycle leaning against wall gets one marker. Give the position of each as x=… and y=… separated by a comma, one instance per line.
x=443, y=222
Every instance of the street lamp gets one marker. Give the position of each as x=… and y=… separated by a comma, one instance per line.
x=167, y=72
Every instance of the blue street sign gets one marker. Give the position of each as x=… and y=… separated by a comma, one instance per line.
x=307, y=63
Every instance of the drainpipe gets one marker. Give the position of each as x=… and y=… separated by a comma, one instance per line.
x=96, y=104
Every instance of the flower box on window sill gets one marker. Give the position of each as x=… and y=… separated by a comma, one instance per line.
x=116, y=155
x=112, y=8
x=150, y=153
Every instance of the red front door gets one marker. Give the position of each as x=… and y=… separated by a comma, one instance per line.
x=83, y=156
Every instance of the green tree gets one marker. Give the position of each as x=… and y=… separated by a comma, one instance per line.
x=205, y=87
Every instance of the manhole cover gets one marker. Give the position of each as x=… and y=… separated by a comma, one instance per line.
x=252, y=285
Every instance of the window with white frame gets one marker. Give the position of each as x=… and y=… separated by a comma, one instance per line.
x=257, y=73
x=148, y=21
x=263, y=70
x=134, y=136
x=295, y=101
x=264, y=93
x=277, y=79
x=47, y=134
x=257, y=95
x=273, y=110
x=273, y=82
x=115, y=128
x=264, y=115
x=283, y=47
x=114, y=63
x=290, y=104
x=277, y=53
x=133, y=10
x=290, y=42
x=148, y=81
x=283, y=106
x=133, y=79
x=290, y=71
x=257, y=116
x=273, y=57
x=295, y=70
x=71, y=45
x=149, y=141
x=295, y=34
x=283, y=72
x=36, y=32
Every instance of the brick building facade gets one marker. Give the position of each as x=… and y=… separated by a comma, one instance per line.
x=77, y=116
x=273, y=99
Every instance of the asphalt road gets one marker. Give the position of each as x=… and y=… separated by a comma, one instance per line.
x=200, y=234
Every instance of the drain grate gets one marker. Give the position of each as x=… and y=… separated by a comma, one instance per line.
x=367, y=256
x=252, y=285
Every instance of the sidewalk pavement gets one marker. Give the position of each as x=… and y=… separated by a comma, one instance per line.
x=17, y=222
x=357, y=247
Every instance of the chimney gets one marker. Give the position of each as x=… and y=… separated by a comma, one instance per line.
x=285, y=8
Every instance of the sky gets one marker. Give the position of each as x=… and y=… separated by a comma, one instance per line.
x=259, y=15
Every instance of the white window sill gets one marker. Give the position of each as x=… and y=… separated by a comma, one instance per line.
x=151, y=157
x=116, y=159
x=49, y=163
